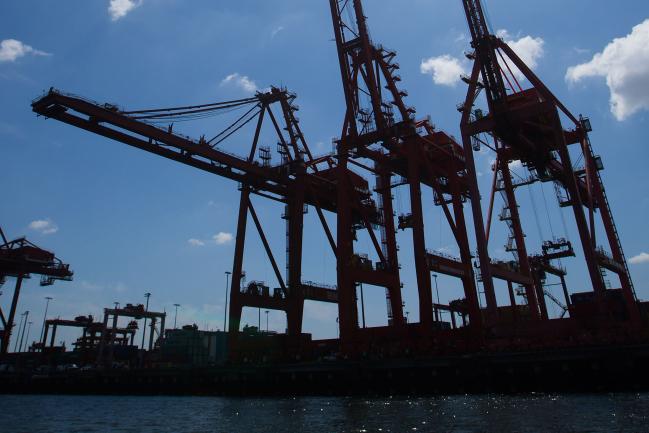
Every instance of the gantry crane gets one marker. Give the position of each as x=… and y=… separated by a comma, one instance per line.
x=398, y=146
x=296, y=180
x=382, y=137
x=525, y=125
x=380, y=127
x=19, y=259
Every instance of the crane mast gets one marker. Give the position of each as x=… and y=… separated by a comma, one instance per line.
x=380, y=127
x=484, y=44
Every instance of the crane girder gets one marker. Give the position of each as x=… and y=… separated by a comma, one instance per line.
x=110, y=123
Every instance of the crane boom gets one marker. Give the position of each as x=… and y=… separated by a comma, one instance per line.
x=126, y=127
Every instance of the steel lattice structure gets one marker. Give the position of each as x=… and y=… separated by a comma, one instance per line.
x=382, y=136
x=19, y=259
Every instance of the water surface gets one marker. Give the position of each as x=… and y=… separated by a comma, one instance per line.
x=529, y=413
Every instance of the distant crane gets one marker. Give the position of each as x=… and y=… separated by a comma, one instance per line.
x=19, y=259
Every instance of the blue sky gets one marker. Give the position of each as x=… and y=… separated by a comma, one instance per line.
x=124, y=219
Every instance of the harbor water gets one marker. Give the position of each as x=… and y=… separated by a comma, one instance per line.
x=486, y=413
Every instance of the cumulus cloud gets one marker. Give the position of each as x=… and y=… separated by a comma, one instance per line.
x=45, y=227
x=528, y=48
x=222, y=238
x=639, y=259
x=275, y=31
x=446, y=70
x=119, y=8
x=196, y=242
x=624, y=63
x=12, y=49
x=241, y=81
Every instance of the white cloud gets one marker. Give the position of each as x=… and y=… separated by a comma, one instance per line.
x=275, y=31
x=639, y=259
x=222, y=238
x=240, y=81
x=446, y=249
x=90, y=286
x=120, y=287
x=516, y=165
x=195, y=242
x=528, y=48
x=119, y=8
x=45, y=227
x=446, y=70
x=11, y=49
x=624, y=63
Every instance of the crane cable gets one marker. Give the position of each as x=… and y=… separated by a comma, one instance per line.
x=187, y=117
x=536, y=214
x=547, y=211
x=214, y=105
x=234, y=127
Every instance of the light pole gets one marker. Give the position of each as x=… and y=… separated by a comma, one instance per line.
x=225, y=312
x=362, y=305
x=337, y=328
x=22, y=334
x=266, y=321
x=47, y=305
x=20, y=325
x=437, y=313
x=147, y=295
x=407, y=316
x=116, y=305
x=29, y=327
x=176, y=315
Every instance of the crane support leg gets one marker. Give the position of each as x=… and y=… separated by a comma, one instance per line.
x=419, y=243
x=12, y=314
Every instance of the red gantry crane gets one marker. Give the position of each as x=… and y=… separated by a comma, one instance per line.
x=383, y=131
x=525, y=125
x=382, y=138
x=379, y=127
x=292, y=177
x=19, y=259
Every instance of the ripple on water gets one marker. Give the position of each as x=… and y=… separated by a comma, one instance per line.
x=524, y=413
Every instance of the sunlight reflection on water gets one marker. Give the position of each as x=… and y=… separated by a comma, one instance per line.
x=527, y=413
